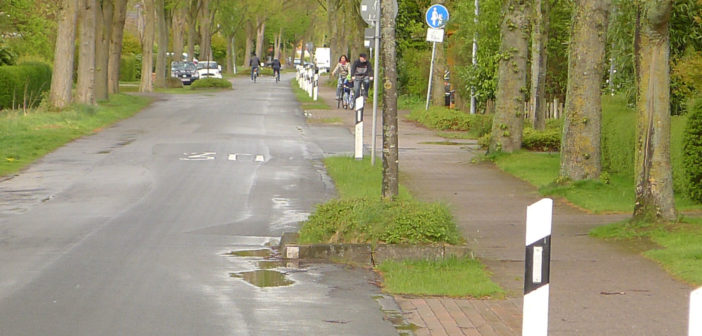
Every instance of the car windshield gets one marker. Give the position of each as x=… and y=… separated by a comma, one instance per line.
x=189, y=66
x=177, y=65
x=204, y=65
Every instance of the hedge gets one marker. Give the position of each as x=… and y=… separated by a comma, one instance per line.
x=24, y=85
x=211, y=83
x=692, y=151
x=128, y=71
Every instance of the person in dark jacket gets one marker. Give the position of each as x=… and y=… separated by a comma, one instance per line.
x=255, y=62
x=276, y=68
x=361, y=73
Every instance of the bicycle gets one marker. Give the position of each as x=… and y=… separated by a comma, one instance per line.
x=340, y=91
x=363, y=89
x=254, y=74
x=276, y=74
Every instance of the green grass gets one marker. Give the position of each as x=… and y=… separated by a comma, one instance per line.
x=358, y=178
x=25, y=138
x=305, y=100
x=454, y=277
x=678, y=247
x=329, y=121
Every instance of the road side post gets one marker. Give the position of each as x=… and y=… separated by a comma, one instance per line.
x=316, y=87
x=695, y=321
x=358, y=152
x=537, y=268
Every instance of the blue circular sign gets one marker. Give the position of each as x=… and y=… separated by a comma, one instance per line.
x=437, y=16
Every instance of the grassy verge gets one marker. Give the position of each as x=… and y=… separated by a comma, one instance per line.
x=677, y=247
x=455, y=277
x=361, y=216
x=305, y=100
x=25, y=138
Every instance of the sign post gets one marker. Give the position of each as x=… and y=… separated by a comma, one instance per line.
x=437, y=16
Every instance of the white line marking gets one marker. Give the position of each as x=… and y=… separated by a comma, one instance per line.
x=232, y=157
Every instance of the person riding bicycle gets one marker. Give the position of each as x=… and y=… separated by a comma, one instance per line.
x=361, y=73
x=254, y=63
x=341, y=70
x=276, y=68
x=347, y=90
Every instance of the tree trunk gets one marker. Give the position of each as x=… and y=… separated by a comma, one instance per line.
x=511, y=86
x=102, y=52
x=85, y=88
x=259, y=40
x=580, y=147
x=332, y=27
x=539, y=41
x=391, y=170
x=147, y=48
x=115, y=54
x=192, y=28
x=654, y=181
x=205, y=33
x=230, y=45
x=62, y=77
x=161, y=66
x=178, y=27
x=279, y=41
x=248, y=46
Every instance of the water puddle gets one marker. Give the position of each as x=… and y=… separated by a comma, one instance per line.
x=264, y=278
x=446, y=143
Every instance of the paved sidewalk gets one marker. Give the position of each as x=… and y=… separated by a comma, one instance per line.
x=597, y=288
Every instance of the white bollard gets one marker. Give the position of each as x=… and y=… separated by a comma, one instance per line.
x=536, y=268
x=695, y=322
x=316, y=87
x=358, y=154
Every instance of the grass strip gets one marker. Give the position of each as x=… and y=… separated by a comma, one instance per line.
x=454, y=277
x=25, y=138
x=676, y=247
x=307, y=102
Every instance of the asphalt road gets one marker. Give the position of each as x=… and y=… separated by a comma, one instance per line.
x=128, y=232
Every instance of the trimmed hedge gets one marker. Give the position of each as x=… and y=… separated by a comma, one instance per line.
x=24, y=84
x=692, y=151
x=211, y=83
x=128, y=71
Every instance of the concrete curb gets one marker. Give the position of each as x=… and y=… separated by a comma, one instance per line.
x=366, y=254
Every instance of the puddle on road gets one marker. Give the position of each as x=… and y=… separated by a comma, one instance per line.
x=446, y=143
x=264, y=278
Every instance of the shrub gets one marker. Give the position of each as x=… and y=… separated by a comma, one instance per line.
x=128, y=68
x=394, y=222
x=548, y=140
x=444, y=119
x=173, y=83
x=692, y=152
x=211, y=83
x=24, y=84
x=7, y=57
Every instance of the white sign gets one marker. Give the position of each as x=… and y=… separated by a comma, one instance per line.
x=435, y=35
x=322, y=57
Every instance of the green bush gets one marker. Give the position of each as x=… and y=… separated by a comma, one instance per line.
x=211, y=83
x=128, y=68
x=548, y=140
x=23, y=85
x=7, y=57
x=445, y=119
x=393, y=222
x=692, y=152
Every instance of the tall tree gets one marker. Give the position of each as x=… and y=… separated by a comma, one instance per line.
x=85, y=88
x=162, y=25
x=205, y=30
x=119, y=17
x=539, y=41
x=511, y=86
x=391, y=173
x=654, y=181
x=260, y=33
x=105, y=15
x=193, y=10
x=62, y=78
x=147, y=48
x=178, y=26
x=580, y=147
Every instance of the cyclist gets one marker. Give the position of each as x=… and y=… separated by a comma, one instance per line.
x=254, y=63
x=342, y=70
x=276, y=69
x=361, y=74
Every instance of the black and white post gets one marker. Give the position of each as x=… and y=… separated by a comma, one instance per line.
x=536, y=268
x=695, y=321
x=358, y=153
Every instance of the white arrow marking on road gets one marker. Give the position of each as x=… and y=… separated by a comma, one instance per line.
x=199, y=156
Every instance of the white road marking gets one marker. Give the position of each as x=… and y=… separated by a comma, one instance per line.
x=198, y=156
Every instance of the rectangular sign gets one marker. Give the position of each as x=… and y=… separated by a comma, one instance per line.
x=435, y=35
x=323, y=57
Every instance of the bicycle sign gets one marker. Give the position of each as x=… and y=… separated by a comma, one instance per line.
x=437, y=16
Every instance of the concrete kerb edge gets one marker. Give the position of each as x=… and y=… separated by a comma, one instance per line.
x=366, y=254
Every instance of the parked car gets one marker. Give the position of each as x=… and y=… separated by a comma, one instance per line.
x=185, y=71
x=209, y=69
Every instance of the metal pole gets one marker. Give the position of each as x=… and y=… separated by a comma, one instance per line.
x=475, y=56
x=375, y=85
x=431, y=73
